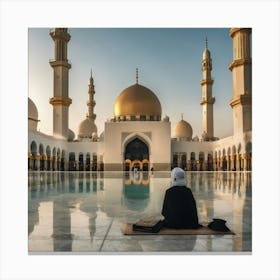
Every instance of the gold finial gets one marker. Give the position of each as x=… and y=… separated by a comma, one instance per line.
x=182, y=116
x=91, y=72
x=136, y=75
x=206, y=43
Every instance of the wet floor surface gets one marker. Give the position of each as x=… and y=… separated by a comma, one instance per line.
x=83, y=212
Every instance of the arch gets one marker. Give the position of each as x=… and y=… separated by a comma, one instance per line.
x=62, y=160
x=239, y=148
x=72, y=162
x=234, y=159
x=201, y=159
x=210, y=161
x=224, y=152
x=136, y=150
x=248, y=147
x=184, y=161
x=42, y=158
x=81, y=162
x=192, y=161
x=88, y=162
x=41, y=149
x=175, y=160
x=58, y=153
x=33, y=148
x=94, y=162
x=32, y=160
x=228, y=151
x=54, y=151
x=48, y=153
x=58, y=159
x=127, y=164
x=143, y=137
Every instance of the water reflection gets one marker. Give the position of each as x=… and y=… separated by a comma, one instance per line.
x=65, y=206
x=136, y=190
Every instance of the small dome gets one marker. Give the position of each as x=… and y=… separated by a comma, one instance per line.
x=196, y=139
x=86, y=128
x=71, y=135
x=94, y=136
x=183, y=131
x=32, y=110
x=137, y=100
x=32, y=115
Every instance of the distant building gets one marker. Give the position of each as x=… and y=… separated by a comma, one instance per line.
x=138, y=136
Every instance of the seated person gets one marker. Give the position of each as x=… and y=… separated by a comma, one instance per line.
x=179, y=206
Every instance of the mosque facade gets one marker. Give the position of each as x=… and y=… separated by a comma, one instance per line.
x=138, y=136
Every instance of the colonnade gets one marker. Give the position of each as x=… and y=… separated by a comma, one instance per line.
x=237, y=162
x=53, y=163
x=47, y=163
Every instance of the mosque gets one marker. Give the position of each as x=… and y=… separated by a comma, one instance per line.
x=137, y=136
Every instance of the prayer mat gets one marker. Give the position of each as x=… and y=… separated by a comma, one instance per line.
x=204, y=230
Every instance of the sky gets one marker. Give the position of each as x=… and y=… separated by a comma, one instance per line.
x=169, y=63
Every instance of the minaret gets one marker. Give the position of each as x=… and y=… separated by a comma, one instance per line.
x=91, y=103
x=207, y=99
x=61, y=66
x=241, y=68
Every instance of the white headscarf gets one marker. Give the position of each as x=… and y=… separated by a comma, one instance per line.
x=178, y=177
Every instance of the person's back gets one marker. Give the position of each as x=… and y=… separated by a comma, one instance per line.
x=179, y=206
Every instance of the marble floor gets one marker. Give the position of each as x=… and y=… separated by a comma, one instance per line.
x=82, y=212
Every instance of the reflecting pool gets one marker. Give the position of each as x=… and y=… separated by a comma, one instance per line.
x=83, y=211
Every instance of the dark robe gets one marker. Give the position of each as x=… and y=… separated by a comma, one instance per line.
x=179, y=208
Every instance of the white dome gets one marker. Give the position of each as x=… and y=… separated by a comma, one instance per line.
x=183, y=131
x=86, y=128
x=32, y=115
x=32, y=110
x=71, y=135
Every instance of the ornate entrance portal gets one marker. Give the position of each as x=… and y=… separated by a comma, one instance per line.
x=136, y=155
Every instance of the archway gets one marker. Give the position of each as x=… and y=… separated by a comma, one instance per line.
x=136, y=151
x=33, y=156
x=72, y=162
x=87, y=162
x=201, y=161
x=48, y=151
x=193, y=165
x=248, y=149
x=41, y=152
x=81, y=162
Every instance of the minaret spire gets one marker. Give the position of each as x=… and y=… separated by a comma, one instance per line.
x=207, y=99
x=182, y=116
x=137, y=76
x=91, y=103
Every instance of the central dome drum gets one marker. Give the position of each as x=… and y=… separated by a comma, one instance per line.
x=137, y=103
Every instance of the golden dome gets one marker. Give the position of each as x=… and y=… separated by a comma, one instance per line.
x=183, y=131
x=86, y=128
x=137, y=100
